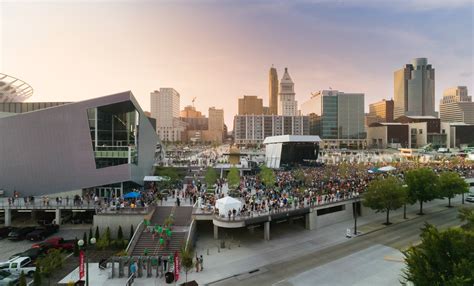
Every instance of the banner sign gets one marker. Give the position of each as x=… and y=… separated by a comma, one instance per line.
x=81, y=264
x=176, y=266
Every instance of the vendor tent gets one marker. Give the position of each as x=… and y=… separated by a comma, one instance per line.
x=132, y=195
x=387, y=169
x=228, y=203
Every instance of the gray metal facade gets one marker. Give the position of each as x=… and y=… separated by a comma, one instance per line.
x=50, y=151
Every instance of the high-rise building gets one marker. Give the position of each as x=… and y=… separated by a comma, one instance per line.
x=253, y=129
x=250, y=104
x=165, y=109
x=456, y=106
x=337, y=117
x=287, y=105
x=382, y=111
x=190, y=112
x=216, y=119
x=273, y=91
x=414, y=89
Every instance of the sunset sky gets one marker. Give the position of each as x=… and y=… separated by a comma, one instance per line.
x=218, y=51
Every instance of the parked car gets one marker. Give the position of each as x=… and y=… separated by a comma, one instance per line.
x=41, y=232
x=7, y=278
x=56, y=242
x=470, y=198
x=16, y=266
x=20, y=233
x=32, y=253
x=4, y=231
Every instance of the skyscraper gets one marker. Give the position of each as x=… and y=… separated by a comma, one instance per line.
x=456, y=106
x=382, y=110
x=287, y=105
x=337, y=117
x=165, y=109
x=273, y=91
x=414, y=93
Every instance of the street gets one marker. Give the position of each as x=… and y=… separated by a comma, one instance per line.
x=397, y=236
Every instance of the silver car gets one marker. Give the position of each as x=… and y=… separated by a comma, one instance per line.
x=470, y=198
x=7, y=278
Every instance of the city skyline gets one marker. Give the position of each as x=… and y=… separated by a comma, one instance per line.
x=219, y=51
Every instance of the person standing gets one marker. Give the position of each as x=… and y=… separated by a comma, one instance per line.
x=197, y=263
x=201, y=262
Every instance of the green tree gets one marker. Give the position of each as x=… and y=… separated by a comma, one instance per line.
x=467, y=215
x=131, y=232
x=120, y=233
x=37, y=276
x=50, y=263
x=84, y=237
x=22, y=281
x=267, y=176
x=299, y=176
x=187, y=255
x=442, y=258
x=97, y=233
x=233, y=177
x=384, y=195
x=104, y=241
x=76, y=247
x=422, y=186
x=210, y=177
x=451, y=184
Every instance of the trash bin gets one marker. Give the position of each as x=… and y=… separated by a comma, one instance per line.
x=169, y=277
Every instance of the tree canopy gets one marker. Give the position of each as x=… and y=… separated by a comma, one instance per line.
x=422, y=186
x=210, y=177
x=443, y=258
x=384, y=195
x=267, y=176
x=233, y=177
x=451, y=184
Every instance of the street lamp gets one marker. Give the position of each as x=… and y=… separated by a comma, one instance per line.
x=405, y=204
x=80, y=243
x=354, y=210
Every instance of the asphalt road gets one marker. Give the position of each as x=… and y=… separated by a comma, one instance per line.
x=398, y=236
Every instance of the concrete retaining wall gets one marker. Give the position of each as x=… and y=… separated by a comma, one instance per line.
x=113, y=221
x=314, y=221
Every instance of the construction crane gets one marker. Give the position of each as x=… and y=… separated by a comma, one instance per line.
x=194, y=99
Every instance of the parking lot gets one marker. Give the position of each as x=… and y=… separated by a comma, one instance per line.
x=8, y=248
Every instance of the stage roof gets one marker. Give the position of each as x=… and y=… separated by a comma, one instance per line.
x=292, y=139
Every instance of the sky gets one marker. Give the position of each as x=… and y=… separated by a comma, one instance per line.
x=220, y=50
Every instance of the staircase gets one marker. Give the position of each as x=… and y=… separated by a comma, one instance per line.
x=182, y=219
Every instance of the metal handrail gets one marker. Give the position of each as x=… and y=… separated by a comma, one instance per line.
x=134, y=239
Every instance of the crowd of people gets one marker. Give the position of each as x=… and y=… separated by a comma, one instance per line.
x=313, y=186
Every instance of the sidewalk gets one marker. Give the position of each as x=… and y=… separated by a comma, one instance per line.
x=287, y=242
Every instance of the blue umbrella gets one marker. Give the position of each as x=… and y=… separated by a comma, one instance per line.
x=132, y=195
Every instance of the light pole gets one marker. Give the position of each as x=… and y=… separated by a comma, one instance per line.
x=80, y=243
x=405, y=204
x=464, y=178
x=354, y=210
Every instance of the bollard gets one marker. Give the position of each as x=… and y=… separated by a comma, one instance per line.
x=218, y=249
x=208, y=251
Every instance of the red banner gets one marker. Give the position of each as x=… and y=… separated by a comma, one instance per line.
x=176, y=266
x=81, y=264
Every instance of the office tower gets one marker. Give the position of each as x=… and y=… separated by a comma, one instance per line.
x=273, y=91
x=382, y=111
x=250, y=104
x=253, y=129
x=287, y=105
x=456, y=106
x=165, y=109
x=337, y=117
x=414, y=89
x=215, y=132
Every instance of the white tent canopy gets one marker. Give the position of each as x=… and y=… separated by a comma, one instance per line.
x=387, y=169
x=228, y=203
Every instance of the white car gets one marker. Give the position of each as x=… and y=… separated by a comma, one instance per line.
x=470, y=198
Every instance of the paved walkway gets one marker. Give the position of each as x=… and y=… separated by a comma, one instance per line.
x=288, y=241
